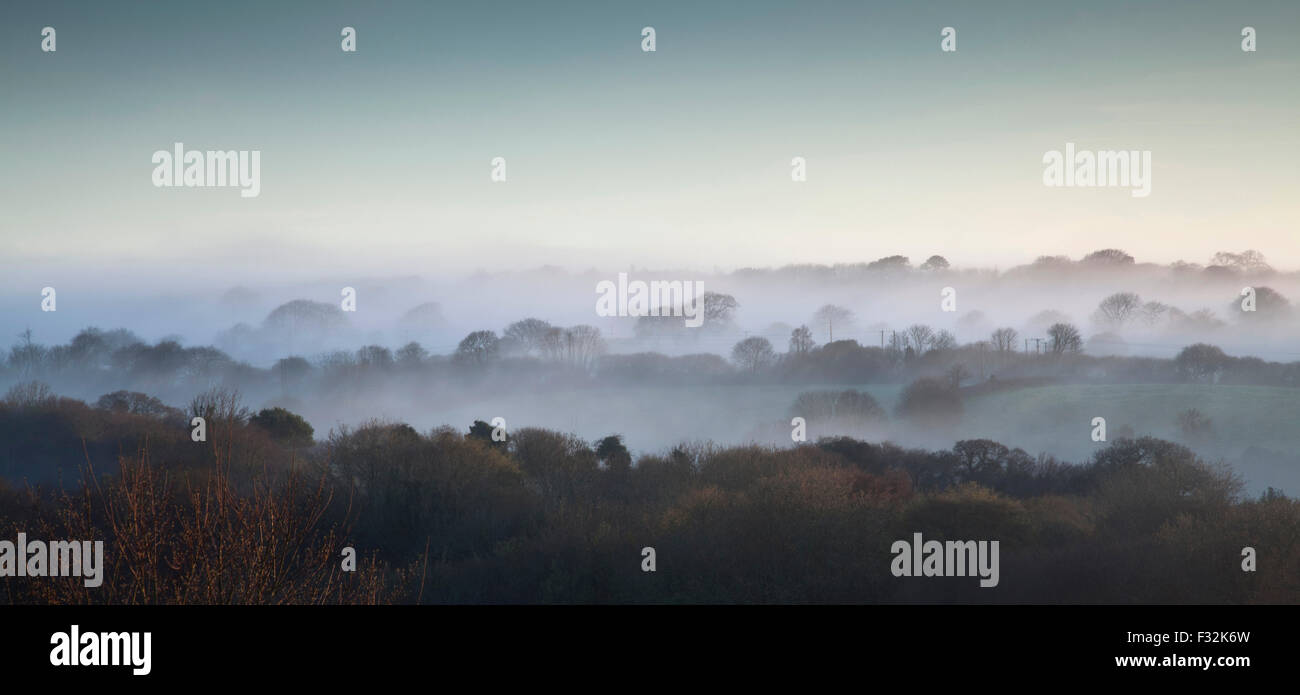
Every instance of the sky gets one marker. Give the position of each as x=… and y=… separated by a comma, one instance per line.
x=378, y=161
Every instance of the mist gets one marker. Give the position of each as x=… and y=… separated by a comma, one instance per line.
x=399, y=356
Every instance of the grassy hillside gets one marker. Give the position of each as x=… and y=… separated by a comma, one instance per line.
x=1058, y=419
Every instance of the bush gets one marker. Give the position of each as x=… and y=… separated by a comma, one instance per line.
x=931, y=401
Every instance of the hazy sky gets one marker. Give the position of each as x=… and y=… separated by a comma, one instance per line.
x=378, y=161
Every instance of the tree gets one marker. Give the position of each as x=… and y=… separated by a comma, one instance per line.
x=529, y=334
x=935, y=263
x=1193, y=422
x=1249, y=261
x=857, y=406
x=1269, y=304
x=26, y=356
x=291, y=372
x=613, y=453
x=218, y=406
x=1152, y=312
x=306, y=315
x=133, y=402
x=955, y=375
x=801, y=341
x=1201, y=320
x=718, y=308
x=1004, y=339
x=1044, y=319
x=1118, y=308
x=479, y=347
x=284, y=426
x=1064, y=338
x=89, y=346
x=1111, y=257
x=1052, y=263
x=889, y=263
x=1201, y=362
x=943, y=340
x=898, y=342
x=753, y=353
x=921, y=336
x=422, y=322
x=30, y=394
x=829, y=316
x=411, y=355
x=581, y=345
x=376, y=356
x=482, y=431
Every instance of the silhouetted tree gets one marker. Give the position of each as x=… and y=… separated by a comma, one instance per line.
x=1201, y=362
x=1108, y=257
x=479, y=347
x=284, y=426
x=943, y=340
x=1269, y=304
x=611, y=451
x=935, y=263
x=801, y=341
x=1064, y=338
x=1118, y=308
x=529, y=334
x=753, y=353
x=1004, y=339
x=920, y=336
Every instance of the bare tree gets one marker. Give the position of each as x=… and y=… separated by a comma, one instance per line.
x=943, y=340
x=955, y=375
x=1064, y=338
x=1004, y=339
x=801, y=340
x=1117, y=309
x=753, y=353
x=582, y=345
x=1152, y=312
x=899, y=342
x=921, y=336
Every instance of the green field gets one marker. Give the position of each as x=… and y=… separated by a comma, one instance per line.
x=1034, y=418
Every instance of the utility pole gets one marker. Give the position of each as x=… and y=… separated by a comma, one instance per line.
x=891, y=332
